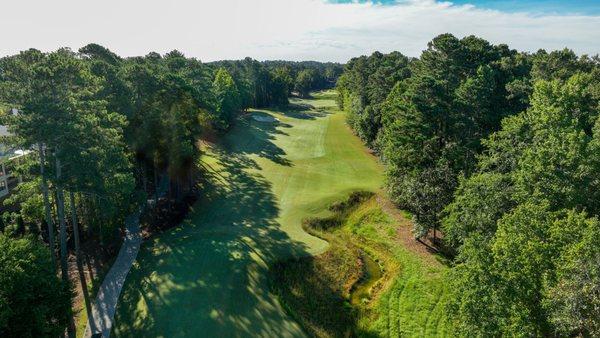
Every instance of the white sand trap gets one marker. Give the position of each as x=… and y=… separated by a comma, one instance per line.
x=264, y=118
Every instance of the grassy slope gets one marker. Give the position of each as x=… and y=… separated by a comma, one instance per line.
x=407, y=301
x=412, y=305
x=208, y=277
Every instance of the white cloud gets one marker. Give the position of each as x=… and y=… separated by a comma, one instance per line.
x=278, y=29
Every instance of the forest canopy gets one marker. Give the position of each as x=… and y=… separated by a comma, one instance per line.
x=497, y=151
x=495, y=154
x=103, y=135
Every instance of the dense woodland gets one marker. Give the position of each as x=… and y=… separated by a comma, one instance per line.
x=496, y=153
x=107, y=133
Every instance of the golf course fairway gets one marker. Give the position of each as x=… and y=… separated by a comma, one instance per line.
x=208, y=276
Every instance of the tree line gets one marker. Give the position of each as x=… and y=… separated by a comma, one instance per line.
x=106, y=134
x=271, y=82
x=497, y=151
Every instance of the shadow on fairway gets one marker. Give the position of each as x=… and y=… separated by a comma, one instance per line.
x=209, y=276
x=253, y=137
x=303, y=111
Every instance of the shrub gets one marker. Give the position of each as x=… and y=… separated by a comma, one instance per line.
x=34, y=302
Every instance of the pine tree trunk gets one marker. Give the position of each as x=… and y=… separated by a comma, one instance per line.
x=169, y=189
x=60, y=210
x=60, y=207
x=89, y=213
x=144, y=177
x=98, y=218
x=85, y=219
x=155, y=187
x=47, y=210
x=86, y=296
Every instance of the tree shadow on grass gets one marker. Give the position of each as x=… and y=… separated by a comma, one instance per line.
x=303, y=111
x=253, y=137
x=209, y=276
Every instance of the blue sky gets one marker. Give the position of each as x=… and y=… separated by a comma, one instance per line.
x=586, y=7
x=324, y=30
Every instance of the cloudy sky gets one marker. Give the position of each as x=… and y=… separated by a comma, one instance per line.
x=324, y=30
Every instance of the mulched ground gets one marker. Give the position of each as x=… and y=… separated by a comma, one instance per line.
x=166, y=215
x=424, y=246
x=97, y=260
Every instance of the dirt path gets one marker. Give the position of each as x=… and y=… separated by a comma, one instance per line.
x=104, y=306
x=405, y=230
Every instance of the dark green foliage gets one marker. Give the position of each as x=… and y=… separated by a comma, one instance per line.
x=227, y=97
x=66, y=110
x=281, y=85
x=424, y=193
x=507, y=284
x=518, y=223
x=304, y=81
x=559, y=65
x=435, y=119
x=33, y=300
x=573, y=301
x=325, y=73
x=109, y=132
x=365, y=85
x=268, y=83
x=478, y=203
x=501, y=149
x=100, y=53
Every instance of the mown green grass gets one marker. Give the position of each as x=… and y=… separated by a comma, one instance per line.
x=407, y=301
x=412, y=300
x=208, y=277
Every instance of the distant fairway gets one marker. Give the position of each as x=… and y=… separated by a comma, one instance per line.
x=208, y=277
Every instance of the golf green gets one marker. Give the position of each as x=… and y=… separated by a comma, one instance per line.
x=207, y=277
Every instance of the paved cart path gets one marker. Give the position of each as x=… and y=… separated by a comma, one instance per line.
x=105, y=304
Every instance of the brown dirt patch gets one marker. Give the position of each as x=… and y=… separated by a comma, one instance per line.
x=423, y=247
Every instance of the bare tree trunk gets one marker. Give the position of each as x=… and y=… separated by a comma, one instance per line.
x=60, y=206
x=169, y=189
x=99, y=218
x=60, y=210
x=47, y=211
x=84, y=214
x=144, y=177
x=156, y=184
x=89, y=210
x=55, y=208
x=84, y=289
